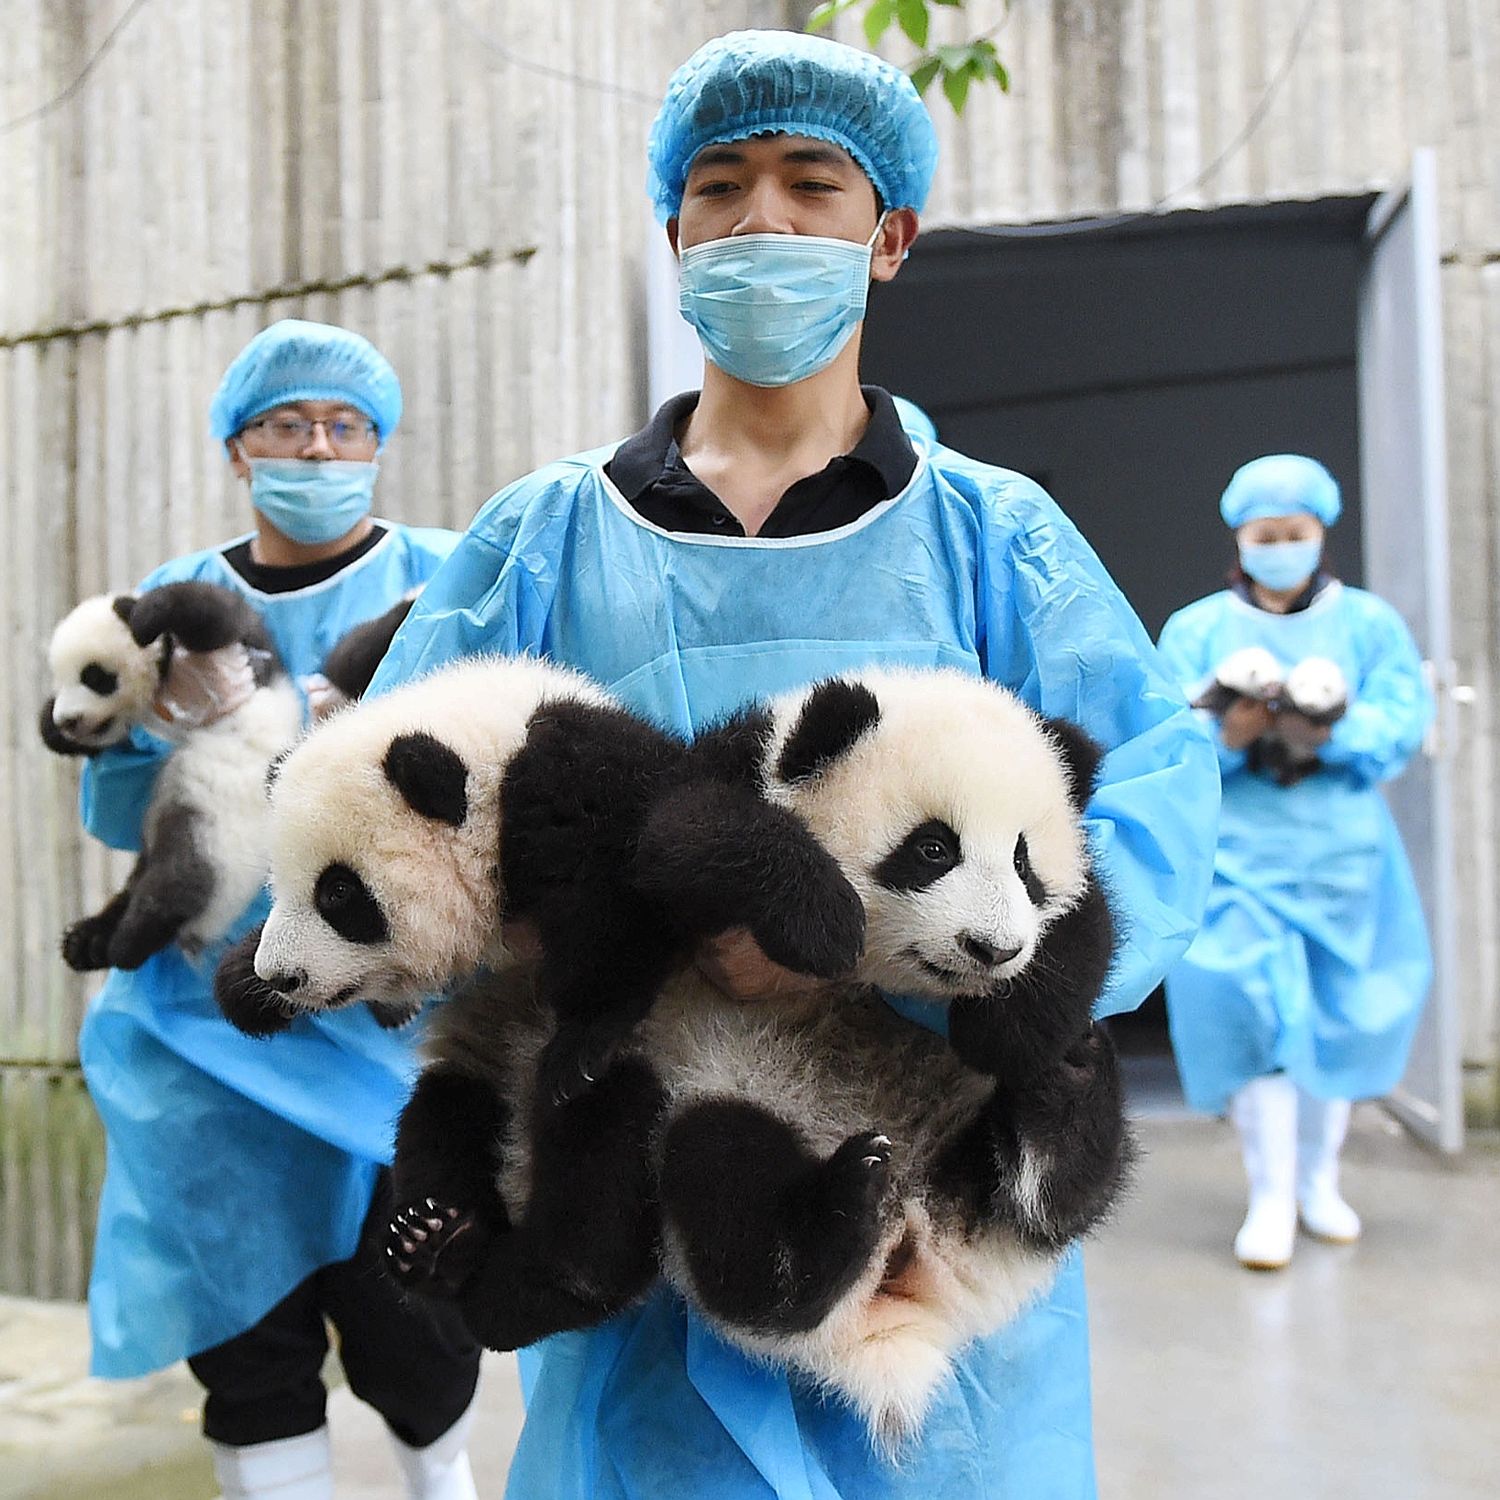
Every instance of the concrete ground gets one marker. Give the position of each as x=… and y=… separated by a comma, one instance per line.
x=1366, y=1371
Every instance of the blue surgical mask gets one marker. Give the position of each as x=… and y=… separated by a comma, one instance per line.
x=312, y=500
x=1280, y=565
x=773, y=309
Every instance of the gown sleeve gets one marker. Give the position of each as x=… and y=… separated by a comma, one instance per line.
x=1391, y=706
x=1186, y=649
x=1056, y=629
x=116, y=788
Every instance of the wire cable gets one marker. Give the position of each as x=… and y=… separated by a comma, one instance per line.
x=100, y=52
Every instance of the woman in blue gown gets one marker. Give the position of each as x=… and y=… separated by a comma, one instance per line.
x=774, y=528
x=1303, y=989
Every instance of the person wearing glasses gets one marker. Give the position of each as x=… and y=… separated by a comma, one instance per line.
x=777, y=527
x=243, y=1194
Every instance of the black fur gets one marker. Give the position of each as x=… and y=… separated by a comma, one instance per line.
x=834, y=717
x=246, y=1000
x=924, y=856
x=580, y=1250
x=352, y=663
x=123, y=605
x=346, y=903
x=430, y=775
x=1082, y=755
x=774, y=1234
x=198, y=617
x=609, y=829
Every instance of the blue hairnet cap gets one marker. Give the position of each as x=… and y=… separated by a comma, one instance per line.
x=297, y=361
x=914, y=421
x=784, y=83
x=1281, y=484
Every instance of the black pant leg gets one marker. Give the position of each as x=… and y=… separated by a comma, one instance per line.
x=412, y=1359
x=266, y=1383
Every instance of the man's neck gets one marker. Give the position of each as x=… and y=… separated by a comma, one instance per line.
x=749, y=444
x=275, y=549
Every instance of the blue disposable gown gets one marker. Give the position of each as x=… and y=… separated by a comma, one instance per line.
x=235, y=1166
x=969, y=566
x=1313, y=957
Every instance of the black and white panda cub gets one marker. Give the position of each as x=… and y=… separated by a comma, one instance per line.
x=840, y=1189
x=203, y=845
x=405, y=829
x=844, y=1191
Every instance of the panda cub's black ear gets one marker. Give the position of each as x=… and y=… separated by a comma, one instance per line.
x=123, y=605
x=836, y=714
x=430, y=775
x=1081, y=755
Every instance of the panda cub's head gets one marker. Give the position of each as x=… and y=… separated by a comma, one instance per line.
x=954, y=811
x=102, y=681
x=385, y=838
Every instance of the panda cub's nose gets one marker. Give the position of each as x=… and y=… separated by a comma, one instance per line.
x=986, y=953
x=288, y=983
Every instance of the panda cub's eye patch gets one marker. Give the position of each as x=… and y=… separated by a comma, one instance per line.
x=345, y=903
x=925, y=855
x=1034, y=887
x=99, y=679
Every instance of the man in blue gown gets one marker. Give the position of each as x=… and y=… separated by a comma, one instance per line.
x=772, y=529
x=241, y=1172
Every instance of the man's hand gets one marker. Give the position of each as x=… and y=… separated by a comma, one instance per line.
x=1244, y=722
x=1300, y=732
x=201, y=687
x=734, y=964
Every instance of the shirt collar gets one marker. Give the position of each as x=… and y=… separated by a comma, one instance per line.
x=640, y=461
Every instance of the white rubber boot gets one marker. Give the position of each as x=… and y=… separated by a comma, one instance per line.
x=1265, y=1115
x=1322, y=1125
x=440, y=1471
x=297, y=1468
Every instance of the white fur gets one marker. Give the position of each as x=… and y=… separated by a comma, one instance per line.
x=1317, y=687
x=93, y=632
x=1252, y=672
x=437, y=885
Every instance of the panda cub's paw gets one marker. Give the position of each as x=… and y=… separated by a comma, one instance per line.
x=577, y=1057
x=434, y=1247
x=853, y=1180
x=85, y=945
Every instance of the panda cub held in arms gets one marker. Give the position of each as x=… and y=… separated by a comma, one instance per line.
x=203, y=841
x=405, y=828
x=842, y=1190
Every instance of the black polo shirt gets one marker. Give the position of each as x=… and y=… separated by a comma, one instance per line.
x=648, y=470
x=288, y=579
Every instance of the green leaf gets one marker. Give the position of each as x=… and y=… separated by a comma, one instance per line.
x=912, y=15
x=823, y=16
x=954, y=59
x=956, y=87
x=925, y=71
x=878, y=20
x=956, y=4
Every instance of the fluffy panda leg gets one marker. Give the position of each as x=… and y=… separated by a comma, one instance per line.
x=443, y=1182
x=586, y=1245
x=199, y=616
x=772, y=1236
x=85, y=944
x=172, y=883
x=1047, y=1156
x=716, y=856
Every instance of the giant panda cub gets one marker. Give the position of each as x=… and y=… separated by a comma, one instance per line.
x=202, y=858
x=406, y=828
x=841, y=1189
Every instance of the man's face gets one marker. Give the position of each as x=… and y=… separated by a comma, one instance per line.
x=787, y=184
x=305, y=429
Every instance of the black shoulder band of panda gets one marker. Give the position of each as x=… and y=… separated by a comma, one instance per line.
x=1082, y=754
x=837, y=713
x=430, y=775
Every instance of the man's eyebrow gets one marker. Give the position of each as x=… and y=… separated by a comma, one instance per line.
x=820, y=154
x=719, y=156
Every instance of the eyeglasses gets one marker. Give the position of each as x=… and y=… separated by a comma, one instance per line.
x=296, y=432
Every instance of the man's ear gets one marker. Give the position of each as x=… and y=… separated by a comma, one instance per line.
x=237, y=460
x=894, y=240
x=672, y=236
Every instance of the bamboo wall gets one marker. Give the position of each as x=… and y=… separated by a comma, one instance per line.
x=461, y=180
